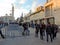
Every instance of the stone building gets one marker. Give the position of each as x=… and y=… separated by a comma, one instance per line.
x=36, y=16
x=6, y=19
x=52, y=11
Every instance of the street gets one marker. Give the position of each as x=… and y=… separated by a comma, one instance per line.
x=29, y=22
x=28, y=40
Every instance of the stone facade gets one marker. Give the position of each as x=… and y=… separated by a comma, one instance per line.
x=50, y=13
x=52, y=9
x=35, y=17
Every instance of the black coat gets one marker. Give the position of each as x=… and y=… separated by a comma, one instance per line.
x=37, y=26
x=48, y=29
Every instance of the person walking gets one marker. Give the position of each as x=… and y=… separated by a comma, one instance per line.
x=24, y=26
x=36, y=29
x=42, y=30
x=1, y=34
x=1, y=25
x=26, y=31
x=54, y=30
x=49, y=32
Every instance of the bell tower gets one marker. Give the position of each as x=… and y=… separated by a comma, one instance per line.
x=12, y=10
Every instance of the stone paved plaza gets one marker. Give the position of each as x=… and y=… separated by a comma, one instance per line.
x=28, y=40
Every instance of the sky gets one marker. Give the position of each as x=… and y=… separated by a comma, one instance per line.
x=20, y=6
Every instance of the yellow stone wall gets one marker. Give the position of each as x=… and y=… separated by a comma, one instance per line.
x=57, y=16
x=37, y=16
x=55, y=10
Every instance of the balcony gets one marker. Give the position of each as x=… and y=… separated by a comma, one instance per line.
x=49, y=10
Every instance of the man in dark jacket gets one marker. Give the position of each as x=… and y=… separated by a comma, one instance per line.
x=49, y=31
x=54, y=30
x=42, y=30
x=25, y=28
x=37, y=29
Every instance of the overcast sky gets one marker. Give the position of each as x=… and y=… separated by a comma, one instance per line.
x=20, y=6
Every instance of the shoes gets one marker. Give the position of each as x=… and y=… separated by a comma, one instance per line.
x=3, y=37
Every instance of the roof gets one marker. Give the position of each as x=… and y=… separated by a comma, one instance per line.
x=37, y=12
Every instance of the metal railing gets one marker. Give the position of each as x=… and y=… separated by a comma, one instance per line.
x=11, y=33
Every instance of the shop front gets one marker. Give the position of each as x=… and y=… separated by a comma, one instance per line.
x=49, y=19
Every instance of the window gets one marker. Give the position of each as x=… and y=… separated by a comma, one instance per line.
x=49, y=11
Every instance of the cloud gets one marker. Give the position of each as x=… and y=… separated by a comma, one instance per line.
x=34, y=5
x=5, y=6
x=18, y=12
x=27, y=7
x=8, y=1
x=22, y=1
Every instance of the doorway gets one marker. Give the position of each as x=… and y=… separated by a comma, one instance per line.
x=51, y=20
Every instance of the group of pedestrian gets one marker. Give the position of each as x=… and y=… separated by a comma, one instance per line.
x=46, y=30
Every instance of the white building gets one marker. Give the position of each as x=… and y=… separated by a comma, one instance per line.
x=7, y=18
